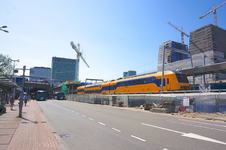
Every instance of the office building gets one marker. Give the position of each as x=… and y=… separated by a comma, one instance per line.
x=171, y=56
x=63, y=69
x=129, y=73
x=40, y=73
x=207, y=46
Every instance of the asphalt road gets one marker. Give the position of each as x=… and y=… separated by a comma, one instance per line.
x=100, y=127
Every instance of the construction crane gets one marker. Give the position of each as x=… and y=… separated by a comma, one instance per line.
x=182, y=33
x=214, y=13
x=79, y=54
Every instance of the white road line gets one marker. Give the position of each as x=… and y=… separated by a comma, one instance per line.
x=165, y=149
x=83, y=116
x=101, y=123
x=203, y=123
x=116, y=130
x=190, y=135
x=197, y=126
x=138, y=138
x=91, y=119
x=77, y=113
x=163, y=128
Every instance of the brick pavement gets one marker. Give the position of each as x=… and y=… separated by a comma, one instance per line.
x=31, y=132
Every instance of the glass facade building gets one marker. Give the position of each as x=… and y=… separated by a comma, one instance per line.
x=129, y=73
x=63, y=69
x=42, y=72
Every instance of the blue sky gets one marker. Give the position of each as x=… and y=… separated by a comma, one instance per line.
x=115, y=35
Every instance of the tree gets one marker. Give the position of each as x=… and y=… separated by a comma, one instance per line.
x=6, y=66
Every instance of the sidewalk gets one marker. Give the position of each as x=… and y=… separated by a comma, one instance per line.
x=31, y=132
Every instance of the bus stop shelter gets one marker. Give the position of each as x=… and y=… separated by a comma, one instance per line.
x=5, y=88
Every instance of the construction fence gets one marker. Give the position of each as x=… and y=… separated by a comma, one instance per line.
x=192, y=102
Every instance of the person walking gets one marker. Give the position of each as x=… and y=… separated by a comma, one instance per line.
x=25, y=99
x=12, y=100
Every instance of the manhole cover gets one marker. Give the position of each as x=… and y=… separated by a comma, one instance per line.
x=64, y=135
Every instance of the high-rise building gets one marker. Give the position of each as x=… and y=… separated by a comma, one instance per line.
x=207, y=46
x=129, y=73
x=63, y=69
x=171, y=56
x=42, y=72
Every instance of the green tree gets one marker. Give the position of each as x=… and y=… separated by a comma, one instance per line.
x=6, y=66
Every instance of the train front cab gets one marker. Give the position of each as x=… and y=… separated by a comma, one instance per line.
x=80, y=90
x=175, y=80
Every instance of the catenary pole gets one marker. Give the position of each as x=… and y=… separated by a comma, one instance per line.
x=22, y=94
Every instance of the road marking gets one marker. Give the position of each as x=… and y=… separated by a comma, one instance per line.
x=83, y=116
x=77, y=113
x=101, y=123
x=116, y=130
x=165, y=149
x=203, y=123
x=190, y=135
x=138, y=138
x=197, y=126
x=90, y=119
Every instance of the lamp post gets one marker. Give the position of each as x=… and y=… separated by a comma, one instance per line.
x=4, y=30
x=22, y=91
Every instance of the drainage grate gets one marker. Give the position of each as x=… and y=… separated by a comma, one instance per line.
x=23, y=122
x=64, y=135
x=43, y=121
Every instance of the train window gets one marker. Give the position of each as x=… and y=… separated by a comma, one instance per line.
x=131, y=82
x=148, y=80
x=126, y=83
x=160, y=82
x=141, y=80
x=112, y=88
x=136, y=81
x=167, y=80
x=121, y=83
x=182, y=78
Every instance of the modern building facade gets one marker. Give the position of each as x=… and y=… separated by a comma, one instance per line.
x=63, y=69
x=207, y=46
x=40, y=73
x=171, y=56
x=129, y=73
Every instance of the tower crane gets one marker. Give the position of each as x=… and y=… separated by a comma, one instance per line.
x=182, y=33
x=79, y=54
x=214, y=13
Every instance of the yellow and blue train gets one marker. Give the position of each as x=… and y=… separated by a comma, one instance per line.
x=172, y=81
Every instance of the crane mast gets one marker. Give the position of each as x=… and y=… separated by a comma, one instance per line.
x=79, y=54
x=214, y=13
x=182, y=33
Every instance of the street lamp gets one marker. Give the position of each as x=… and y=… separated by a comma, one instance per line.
x=4, y=30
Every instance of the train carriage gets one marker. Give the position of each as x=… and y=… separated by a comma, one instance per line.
x=173, y=80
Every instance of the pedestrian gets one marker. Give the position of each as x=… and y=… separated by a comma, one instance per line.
x=25, y=99
x=33, y=97
x=12, y=100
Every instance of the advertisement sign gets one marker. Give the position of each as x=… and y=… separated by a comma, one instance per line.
x=185, y=101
